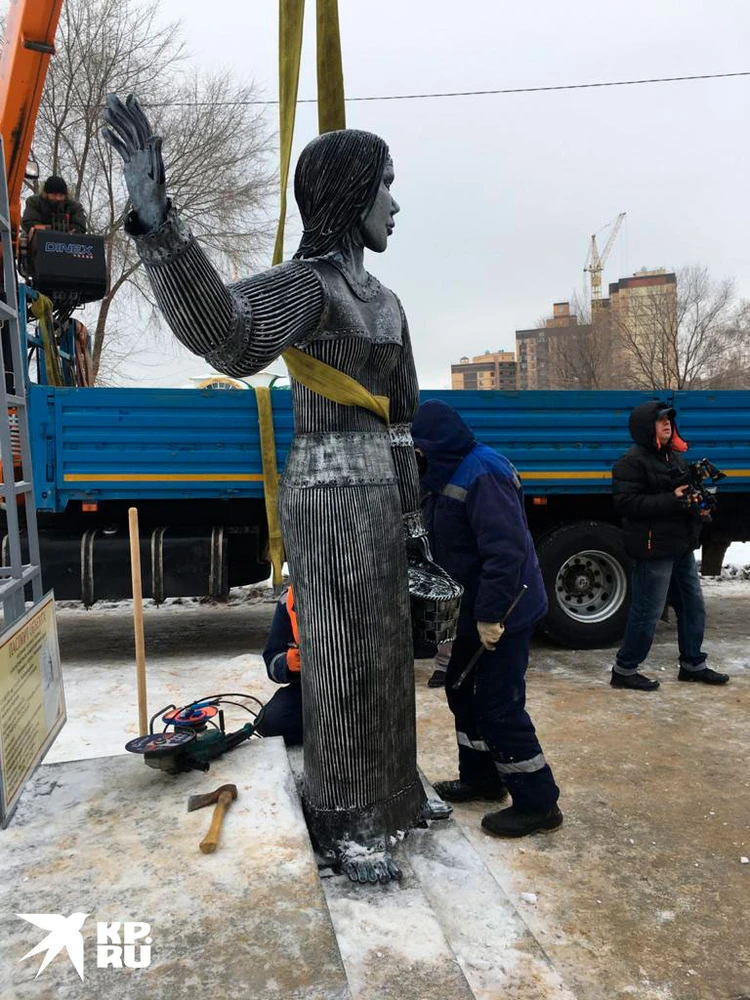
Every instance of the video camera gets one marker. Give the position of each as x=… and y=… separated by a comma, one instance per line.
x=700, y=497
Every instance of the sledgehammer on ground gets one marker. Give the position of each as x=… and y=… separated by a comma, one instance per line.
x=222, y=798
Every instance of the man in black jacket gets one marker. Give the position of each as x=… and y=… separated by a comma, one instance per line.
x=650, y=484
x=53, y=209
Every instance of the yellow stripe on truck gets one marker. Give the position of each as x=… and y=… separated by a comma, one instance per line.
x=163, y=477
x=526, y=474
x=257, y=477
x=560, y=474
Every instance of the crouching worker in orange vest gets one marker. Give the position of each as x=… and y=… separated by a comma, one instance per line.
x=283, y=713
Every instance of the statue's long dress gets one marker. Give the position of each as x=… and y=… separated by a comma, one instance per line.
x=348, y=495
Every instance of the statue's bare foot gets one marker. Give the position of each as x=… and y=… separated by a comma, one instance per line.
x=369, y=864
x=436, y=809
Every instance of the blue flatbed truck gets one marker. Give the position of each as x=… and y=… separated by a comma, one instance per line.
x=190, y=460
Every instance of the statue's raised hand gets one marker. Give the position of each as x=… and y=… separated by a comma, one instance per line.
x=129, y=132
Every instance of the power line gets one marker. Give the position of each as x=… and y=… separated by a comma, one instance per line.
x=467, y=93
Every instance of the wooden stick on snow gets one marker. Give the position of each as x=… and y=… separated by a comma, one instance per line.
x=140, y=645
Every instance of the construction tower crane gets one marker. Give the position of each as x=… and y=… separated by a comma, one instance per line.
x=597, y=260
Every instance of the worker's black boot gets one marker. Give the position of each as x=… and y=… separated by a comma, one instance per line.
x=704, y=676
x=462, y=791
x=437, y=680
x=636, y=682
x=514, y=823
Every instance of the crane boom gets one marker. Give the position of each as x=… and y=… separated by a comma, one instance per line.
x=612, y=238
x=597, y=260
x=27, y=48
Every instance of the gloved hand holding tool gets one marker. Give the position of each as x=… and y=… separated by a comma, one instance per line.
x=490, y=634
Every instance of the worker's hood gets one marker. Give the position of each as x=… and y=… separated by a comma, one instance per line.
x=444, y=439
x=643, y=426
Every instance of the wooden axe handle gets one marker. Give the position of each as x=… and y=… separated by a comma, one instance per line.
x=209, y=842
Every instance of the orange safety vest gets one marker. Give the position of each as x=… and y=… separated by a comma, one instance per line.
x=292, y=656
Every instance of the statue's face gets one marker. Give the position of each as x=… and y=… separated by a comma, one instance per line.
x=378, y=224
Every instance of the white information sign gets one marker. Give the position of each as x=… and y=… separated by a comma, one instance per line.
x=32, y=704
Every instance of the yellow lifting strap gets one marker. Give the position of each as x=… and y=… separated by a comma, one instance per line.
x=310, y=372
x=331, y=113
x=270, y=481
x=331, y=108
x=291, y=20
x=41, y=309
x=315, y=375
x=333, y=384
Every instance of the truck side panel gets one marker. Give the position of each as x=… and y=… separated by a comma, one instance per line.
x=143, y=444
x=716, y=425
x=560, y=442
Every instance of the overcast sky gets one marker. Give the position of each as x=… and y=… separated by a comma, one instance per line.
x=499, y=194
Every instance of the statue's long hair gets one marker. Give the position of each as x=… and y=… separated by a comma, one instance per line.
x=335, y=184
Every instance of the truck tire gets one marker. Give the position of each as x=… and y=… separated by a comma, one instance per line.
x=587, y=578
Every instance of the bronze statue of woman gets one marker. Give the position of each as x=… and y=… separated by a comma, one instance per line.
x=349, y=496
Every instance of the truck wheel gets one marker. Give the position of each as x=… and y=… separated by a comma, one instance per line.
x=587, y=577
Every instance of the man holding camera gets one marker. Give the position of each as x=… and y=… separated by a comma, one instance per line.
x=662, y=527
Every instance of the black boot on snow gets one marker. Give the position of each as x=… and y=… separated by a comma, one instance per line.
x=513, y=823
x=636, y=682
x=462, y=791
x=704, y=676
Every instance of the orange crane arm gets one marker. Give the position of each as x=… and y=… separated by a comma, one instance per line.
x=27, y=48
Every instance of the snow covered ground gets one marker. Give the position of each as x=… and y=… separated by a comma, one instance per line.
x=641, y=894
x=97, y=653
x=738, y=554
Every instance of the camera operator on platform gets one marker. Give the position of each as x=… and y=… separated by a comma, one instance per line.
x=53, y=209
x=662, y=527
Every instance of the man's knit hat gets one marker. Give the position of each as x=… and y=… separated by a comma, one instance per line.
x=55, y=185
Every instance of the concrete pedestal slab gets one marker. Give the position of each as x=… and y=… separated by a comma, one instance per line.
x=495, y=949
x=392, y=942
x=112, y=839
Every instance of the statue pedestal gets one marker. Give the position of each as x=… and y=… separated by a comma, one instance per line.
x=113, y=838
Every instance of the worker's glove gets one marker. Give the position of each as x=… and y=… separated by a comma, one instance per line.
x=490, y=633
x=129, y=132
x=293, y=662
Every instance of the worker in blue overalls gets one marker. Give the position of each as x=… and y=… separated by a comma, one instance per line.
x=473, y=510
x=282, y=715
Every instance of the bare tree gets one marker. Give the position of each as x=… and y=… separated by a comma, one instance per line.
x=215, y=140
x=691, y=336
x=731, y=369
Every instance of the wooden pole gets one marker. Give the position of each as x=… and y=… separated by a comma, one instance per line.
x=140, y=645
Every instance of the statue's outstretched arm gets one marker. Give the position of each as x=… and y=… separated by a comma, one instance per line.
x=238, y=329
x=404, y=400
